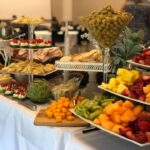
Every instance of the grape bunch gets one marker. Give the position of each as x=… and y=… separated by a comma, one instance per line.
x=105, y=25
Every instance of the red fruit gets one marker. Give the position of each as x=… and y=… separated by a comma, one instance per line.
x=142, y=97
x=141, y=137
x=146, y=78
x=136, y=58
x=130, y=135
x=147, y=52
x=124, y=130
x=148, y=136
x=144, y=126
x=144, y=116
x=141, y=61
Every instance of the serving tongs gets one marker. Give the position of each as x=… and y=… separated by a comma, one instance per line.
x=77, y=95
x=28, y=104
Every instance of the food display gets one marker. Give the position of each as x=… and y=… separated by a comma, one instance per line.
x=41, y=55
x=66, y=89
x=5, y=78
x=28, y=67
x=28, y=20
x=91, y=56
x=60, y=109
x=90, y=109
x=143, y=58
x=131, y=84
x=14, y=89
x=38, y=91
x=118, y=117
x=106, y=25
x=138, y=130
x=34, y=43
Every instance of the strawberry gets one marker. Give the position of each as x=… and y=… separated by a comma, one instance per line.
x=124, y=130
x=144, y=126
x=146, y=78
x=141, y=61
x=142, y=97
x=148, y=136
x=141, y=137
x=144, y=116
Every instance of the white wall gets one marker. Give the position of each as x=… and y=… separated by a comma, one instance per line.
x=33, y=8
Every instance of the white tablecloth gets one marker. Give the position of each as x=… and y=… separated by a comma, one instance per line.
x=45, y=35
x=17, y=131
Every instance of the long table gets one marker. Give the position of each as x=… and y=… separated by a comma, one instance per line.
x=17, y=132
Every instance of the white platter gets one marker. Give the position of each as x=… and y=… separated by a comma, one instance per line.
x=137, y=64
x=126, y=97
x=110, y=132
x=82, y=66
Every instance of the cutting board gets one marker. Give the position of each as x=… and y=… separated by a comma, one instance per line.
x=42, y=120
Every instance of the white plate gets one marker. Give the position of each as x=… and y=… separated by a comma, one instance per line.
x=126, y=97
x=137, y=64
x=110, y=132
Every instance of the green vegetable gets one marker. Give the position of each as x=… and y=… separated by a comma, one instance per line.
x=38, y=91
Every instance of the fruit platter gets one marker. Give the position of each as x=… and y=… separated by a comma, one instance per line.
x=142, y=59
x=58, y=114
x=121, y=118
x=130, y=84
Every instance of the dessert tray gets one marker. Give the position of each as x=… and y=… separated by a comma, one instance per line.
x=126, y=97
x=138, y=65
x=82, y=66
x=110, y=132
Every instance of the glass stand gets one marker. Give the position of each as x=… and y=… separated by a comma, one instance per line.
x=66, y=50
x=30, y=37
x=92, y=87
x=105, y=60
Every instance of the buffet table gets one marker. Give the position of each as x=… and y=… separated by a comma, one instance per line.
x=17, y=131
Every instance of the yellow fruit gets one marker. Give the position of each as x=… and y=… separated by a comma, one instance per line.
x=119, y=80
x=49, y=114
x=106, y=86
x=128, y=104
x=97, y=121
x=116, y=118
x=136, y=74
x=112, y=83
x=128, y=116
x=107, y=125
x=138, y=109
x=117, y=128
x=121, y=88
x=58, y=119
x=120, y=102
x=70, y=118
x=103, y=117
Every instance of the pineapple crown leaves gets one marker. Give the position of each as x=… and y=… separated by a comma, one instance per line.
x=126, y=47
